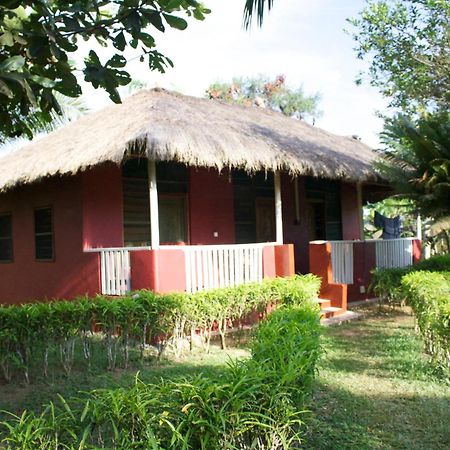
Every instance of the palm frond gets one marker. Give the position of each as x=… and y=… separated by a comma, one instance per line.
x=257, y=7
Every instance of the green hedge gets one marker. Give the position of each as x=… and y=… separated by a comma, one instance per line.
x=33, y=330
x=386, y=283
x=428, y=293
x=258, y=403
x=426, y=288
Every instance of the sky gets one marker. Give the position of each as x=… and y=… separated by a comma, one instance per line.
x=301, y=39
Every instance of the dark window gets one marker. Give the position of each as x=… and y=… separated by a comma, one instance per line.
x=172, y=180
x=6, y=243
x=136, y=207
x=172, y=219
x=254, y=209
x=324, y=200
x=43, y=234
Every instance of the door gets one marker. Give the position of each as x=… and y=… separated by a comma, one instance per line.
x=265, y=220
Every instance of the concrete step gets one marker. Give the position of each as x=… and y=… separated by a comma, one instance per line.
x=323, y=302
x=330, y=311
x=343, y=318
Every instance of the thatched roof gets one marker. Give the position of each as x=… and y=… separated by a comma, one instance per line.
x=200, y=132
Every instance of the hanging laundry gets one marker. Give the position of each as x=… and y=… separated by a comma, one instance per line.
x=391, y=227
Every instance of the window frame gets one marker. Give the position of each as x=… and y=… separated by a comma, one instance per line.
x=52, y=233
x=11, y=238
x=185, y=197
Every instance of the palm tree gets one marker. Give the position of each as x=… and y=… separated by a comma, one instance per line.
x=257, y=7
x=417, y=163
x=70, y=109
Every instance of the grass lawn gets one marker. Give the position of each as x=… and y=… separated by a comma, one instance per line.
x=375, y=389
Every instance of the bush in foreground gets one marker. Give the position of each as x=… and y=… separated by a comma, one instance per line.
x=255, y=404
x=426, y=288
x=33, y=331
x=428, y=294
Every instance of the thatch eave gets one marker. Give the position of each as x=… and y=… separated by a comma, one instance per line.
x=166, y=126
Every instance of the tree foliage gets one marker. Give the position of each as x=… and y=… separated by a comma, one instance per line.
x=37, y=37
x=417, y=161
x=407, y=44
x=266, y=93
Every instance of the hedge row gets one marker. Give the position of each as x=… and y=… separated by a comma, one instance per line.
x=426, y=288
x=255, y=404
x=428, y=293
x=386, y=283
x=32, y=331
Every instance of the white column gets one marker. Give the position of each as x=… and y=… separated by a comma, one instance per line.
x=153, y=195
x=360, y=209
x=278, y=208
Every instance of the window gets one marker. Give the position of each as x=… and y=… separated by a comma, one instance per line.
x=43, y=234
x=254, y=210
x=172, y=219
x=6, y=243
x=172, y=180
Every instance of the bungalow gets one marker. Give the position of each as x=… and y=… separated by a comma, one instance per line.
x=174, y=193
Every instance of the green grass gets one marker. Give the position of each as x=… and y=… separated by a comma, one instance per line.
x=16, y=397
x=375, y=388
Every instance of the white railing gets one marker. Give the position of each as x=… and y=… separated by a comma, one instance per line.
x=342, y=261
x=214, y=266
x=389, y=253
x=393, y=253
x=115, y=269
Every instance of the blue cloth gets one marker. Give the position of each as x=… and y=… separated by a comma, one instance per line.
x=391, y=227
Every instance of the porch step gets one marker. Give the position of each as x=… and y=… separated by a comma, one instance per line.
x=330, y=311
x=323, y=302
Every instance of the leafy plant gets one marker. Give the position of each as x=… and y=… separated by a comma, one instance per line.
x=258, y=403
x=134, y=322
x=428, y=293
x=37, y=38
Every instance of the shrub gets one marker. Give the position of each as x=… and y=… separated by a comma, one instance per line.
x=426, y=288
x=386, y=283
x=255, y=404
x=134, y=321
x=428, y=293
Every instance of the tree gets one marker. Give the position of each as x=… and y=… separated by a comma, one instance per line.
x=407, y=44
x=70, y=109
x=416, y=161
x=263, y=92
x=37, y=36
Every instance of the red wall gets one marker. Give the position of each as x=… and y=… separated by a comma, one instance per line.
x=162, y=270
x=72, y=272
x=350, y=212
x=102, y=202
x=211, y=207
x=364, y=261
